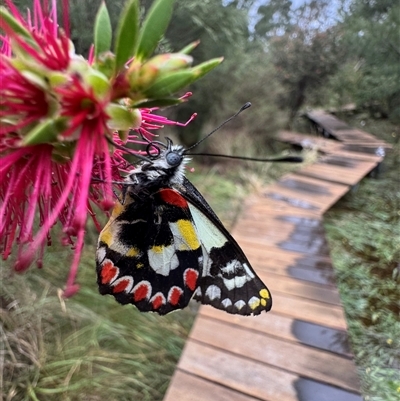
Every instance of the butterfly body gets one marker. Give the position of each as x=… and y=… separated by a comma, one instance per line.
x=164, y=245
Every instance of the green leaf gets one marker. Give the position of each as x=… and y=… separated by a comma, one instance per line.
x=127, y=33
x=169, y=84
x=190, y=47
x=164, y=102
x=102, y=31
x=204, y=68
x=166, y=85
x=154, y=26
x=13, y=24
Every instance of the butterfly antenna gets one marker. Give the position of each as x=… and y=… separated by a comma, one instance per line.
x=282, y=159
x=244, y=107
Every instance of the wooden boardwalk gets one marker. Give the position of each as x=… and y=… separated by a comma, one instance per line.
x=299, y=350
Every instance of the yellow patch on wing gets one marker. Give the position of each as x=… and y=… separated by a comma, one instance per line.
x=188, y=234
x=264, y=293
x=107, y=237
x=133, y=252
x=118, y=209
x=158, y=248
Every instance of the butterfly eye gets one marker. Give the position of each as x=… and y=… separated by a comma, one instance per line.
x=173, y=158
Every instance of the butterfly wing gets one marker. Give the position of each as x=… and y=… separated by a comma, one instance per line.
x=227, y=280
x=149, y=253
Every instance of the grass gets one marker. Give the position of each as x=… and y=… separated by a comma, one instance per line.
x=85, y=348
x=89, y=347
x=364, y=235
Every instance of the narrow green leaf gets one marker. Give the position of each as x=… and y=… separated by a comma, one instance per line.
x=204, y=68
x=127, y=34
x=102, y=31
x=190, y=47
x=154, y=26
x=13, y=23
x=167, y=85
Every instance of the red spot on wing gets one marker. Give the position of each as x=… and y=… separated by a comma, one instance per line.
x=158, y=300
x=121, y=286
x=108, y=272
x=190, y=278
x=173, y=198
x=141, y=291
x=174, y=295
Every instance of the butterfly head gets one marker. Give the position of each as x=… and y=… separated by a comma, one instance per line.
x=166, y=166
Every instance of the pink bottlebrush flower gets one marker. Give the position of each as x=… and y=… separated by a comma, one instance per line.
x=64, y=180
x=60, y=117
x=51, y=46
x=21, y=101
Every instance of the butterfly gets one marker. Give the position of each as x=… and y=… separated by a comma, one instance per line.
x=164, y=245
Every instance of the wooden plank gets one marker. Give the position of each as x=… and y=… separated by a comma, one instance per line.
x=268, y=227
x=326, y=121
x=308, y=246
x=313, y=190
x=292, y=357
x=329, y=146
x=308, y=141
x=238, y=373
x=315, y=269
x=310, y=311
x=269, y=207
x=277, y=229
x=338, y=174
x=355, y=135
x=261, y=254
x=186, y=387
x=287, y=328
x=302, y=289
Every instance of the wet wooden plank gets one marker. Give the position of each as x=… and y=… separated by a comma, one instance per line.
x=331, y=146
x=310, y=190
x=308, y=141
x=266, y=254
x=355, y=135
x=186, y=387
x=302, y=289
x=310, y=311
x=339, y=174
x=287, y=328
x=327, y=121
x=267, y=207
x=305, y=361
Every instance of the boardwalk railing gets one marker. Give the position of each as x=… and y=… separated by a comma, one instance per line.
x=299, y=351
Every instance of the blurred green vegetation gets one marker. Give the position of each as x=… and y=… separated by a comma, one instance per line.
x=91, y=348
x=363, y=230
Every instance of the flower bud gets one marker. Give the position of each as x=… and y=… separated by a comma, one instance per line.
x=143, y=76
x=122, y=118
x=169, y=62
x=98, y=82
